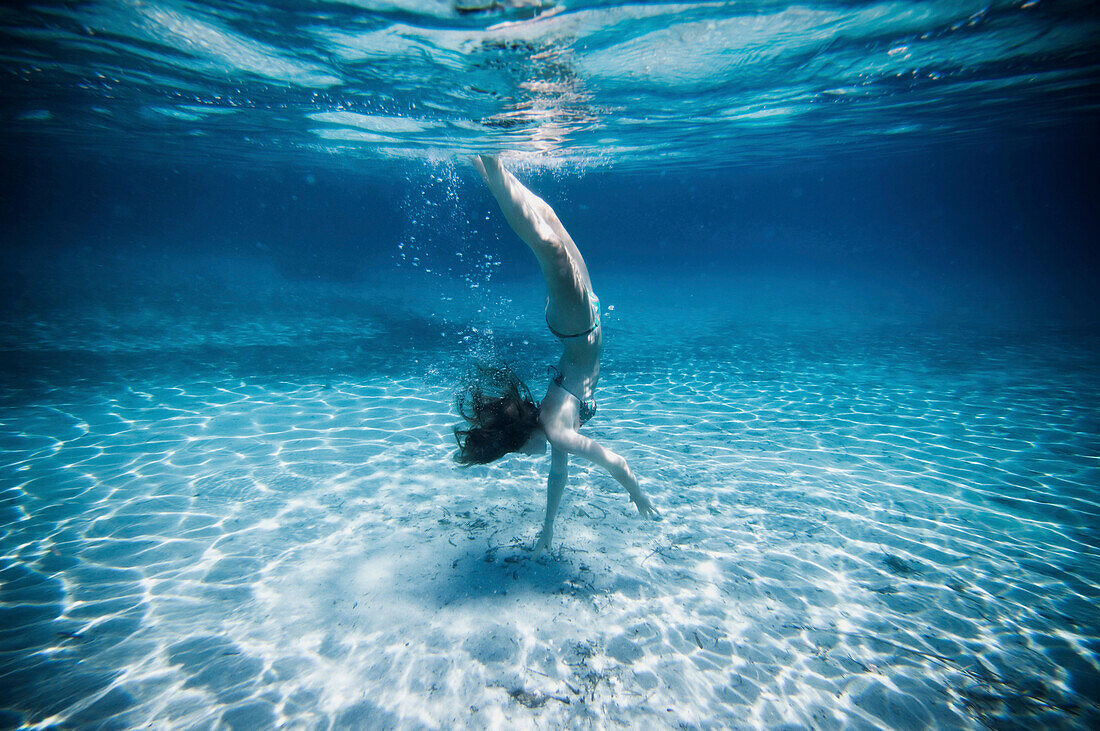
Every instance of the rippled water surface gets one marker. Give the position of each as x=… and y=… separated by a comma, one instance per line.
x=703, y=83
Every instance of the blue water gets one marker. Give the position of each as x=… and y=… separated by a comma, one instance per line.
x=847, y=259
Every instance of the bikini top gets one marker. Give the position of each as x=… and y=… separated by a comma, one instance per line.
x=587, y=406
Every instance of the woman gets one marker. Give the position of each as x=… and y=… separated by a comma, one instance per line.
x=502, y=417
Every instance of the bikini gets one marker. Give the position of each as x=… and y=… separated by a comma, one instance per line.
x=587, y=406
x=594, y=318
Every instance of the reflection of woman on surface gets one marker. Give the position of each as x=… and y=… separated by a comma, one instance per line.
x=501, y=414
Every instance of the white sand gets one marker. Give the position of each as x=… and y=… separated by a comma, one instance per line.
x=869, y=520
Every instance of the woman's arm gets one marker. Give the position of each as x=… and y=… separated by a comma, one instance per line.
x=555, y=484
x=572, y=442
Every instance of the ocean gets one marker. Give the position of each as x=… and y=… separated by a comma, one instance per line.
x=846, y=257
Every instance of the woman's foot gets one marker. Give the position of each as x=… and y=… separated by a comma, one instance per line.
x=489, y=166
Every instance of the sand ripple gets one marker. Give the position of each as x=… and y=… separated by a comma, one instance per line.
x=863, y=527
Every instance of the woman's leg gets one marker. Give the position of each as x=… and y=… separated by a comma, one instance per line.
x=555, y=484
x=491, y=165
x=524, y=211
x=534, y=221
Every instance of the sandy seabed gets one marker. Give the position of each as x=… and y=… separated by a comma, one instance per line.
x=239, y=510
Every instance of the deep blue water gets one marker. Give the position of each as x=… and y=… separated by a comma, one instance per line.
x=848, y=258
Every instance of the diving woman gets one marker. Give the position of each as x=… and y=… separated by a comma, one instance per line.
x=501, y=415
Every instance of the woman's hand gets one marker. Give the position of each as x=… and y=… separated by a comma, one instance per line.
x=544, y=541
x=645, y=508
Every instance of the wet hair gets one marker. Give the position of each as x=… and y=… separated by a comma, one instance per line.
x=500, y=415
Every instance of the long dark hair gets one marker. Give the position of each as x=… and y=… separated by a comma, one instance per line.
x=500, y=414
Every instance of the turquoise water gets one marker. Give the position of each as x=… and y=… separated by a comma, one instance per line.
x=630, y=84
x=846, y=255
